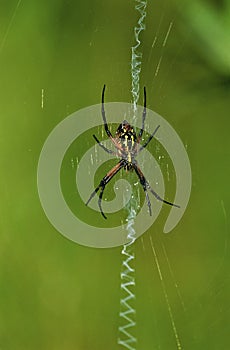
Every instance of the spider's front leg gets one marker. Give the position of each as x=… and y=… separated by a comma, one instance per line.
x=149, y=139
x=143, y=119
x=143, y=127
x=103, y=147
x=104, y=182
x=116, y=144
x=103, y=114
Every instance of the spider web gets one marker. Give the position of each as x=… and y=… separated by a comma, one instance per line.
x=127, y=307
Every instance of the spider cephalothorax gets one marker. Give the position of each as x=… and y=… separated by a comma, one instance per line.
x=126, y=131
x=127, y=145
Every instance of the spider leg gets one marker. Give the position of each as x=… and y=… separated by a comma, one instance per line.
x=143, y=126
x=99, y=203
x=146, y=185
x=161, y=199
x=117, y=145
x=103, y=114
x=104, y=182
x=149, y=139
x=143, y=119
x=143, y=183
x=92, y=194
x=102, y=146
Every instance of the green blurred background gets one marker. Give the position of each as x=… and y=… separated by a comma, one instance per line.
x=55, y=294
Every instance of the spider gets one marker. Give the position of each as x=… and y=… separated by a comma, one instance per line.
x=126, y=142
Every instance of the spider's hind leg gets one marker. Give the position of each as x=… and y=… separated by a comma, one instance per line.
x=103, y=183
x=146, y=186
x=102, y=187
x=147, y=199
x=92, y=195
x=143, y=183
x=99, y=202
x=159, y=198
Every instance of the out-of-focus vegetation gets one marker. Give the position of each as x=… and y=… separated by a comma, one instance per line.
x=210, y=23
x=58, y=295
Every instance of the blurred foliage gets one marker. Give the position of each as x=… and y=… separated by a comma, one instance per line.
x=54, y=293
x=210, y=23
